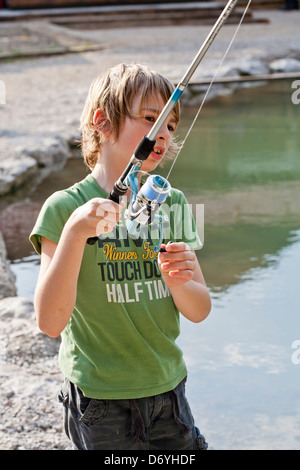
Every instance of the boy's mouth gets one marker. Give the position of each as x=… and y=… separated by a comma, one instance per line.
x=157, y=153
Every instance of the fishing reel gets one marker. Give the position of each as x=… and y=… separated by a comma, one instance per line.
x=148, y=200
x=145, y=204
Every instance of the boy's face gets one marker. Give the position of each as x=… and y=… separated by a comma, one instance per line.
x=133, y=130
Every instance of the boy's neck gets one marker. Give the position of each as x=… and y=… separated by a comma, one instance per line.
x=103, y=177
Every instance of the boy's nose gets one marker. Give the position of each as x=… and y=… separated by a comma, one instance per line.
x=164, y=132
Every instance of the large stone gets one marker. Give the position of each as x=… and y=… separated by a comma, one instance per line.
x=7, y=277
x=47, y=152
x=252, y=67
x=15, y=171
x=287, y=65
x=16, y=307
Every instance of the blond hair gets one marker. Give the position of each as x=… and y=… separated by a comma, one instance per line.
x=113, y=93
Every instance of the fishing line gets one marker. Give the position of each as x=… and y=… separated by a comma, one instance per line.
x=209, y=87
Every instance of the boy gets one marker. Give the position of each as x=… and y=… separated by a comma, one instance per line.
x=115, y=303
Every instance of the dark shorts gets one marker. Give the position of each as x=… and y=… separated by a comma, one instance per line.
x=159, y=422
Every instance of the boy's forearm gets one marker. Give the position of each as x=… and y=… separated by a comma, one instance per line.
x=192, y=300
x=55, y=294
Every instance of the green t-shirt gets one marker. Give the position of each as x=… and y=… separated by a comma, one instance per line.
x=120, y=340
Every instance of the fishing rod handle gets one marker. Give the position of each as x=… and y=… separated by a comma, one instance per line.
x=113, y=197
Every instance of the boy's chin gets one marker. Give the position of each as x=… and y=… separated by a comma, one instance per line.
x=149, y=165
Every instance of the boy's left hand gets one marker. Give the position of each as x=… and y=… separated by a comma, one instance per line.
x=177, y=264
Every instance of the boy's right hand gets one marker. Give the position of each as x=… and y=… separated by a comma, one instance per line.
x=95, y=217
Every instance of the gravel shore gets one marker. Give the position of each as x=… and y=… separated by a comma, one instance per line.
x=39, y=118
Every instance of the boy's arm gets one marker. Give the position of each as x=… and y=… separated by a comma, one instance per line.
x=55, y=293
x=182, y=274
x=56, y=289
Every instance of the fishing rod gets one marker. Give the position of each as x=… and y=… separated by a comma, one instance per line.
x=154, y=192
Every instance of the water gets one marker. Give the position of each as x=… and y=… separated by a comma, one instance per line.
x=242, y=162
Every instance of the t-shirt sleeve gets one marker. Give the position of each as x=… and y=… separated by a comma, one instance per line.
x=52, y=218
x=183, y=223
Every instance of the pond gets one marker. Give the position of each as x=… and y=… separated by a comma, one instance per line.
x=242, y=162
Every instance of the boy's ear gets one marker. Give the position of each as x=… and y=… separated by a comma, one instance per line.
x=101, y=122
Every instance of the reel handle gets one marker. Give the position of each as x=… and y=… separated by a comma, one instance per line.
x=162, y=249
x=91, y=240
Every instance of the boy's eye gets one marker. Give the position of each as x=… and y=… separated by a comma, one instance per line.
x=153, y=119
x=150, y=118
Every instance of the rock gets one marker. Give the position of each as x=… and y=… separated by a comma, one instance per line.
x=24, y=160
x=31, y=417
x=16, y=222
x=24, y=343
x=286, y=65
x=235, y=69
x=7, y=277
x=16, y=307
x=252, y=67
x=15, y=171
x=47, y=152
